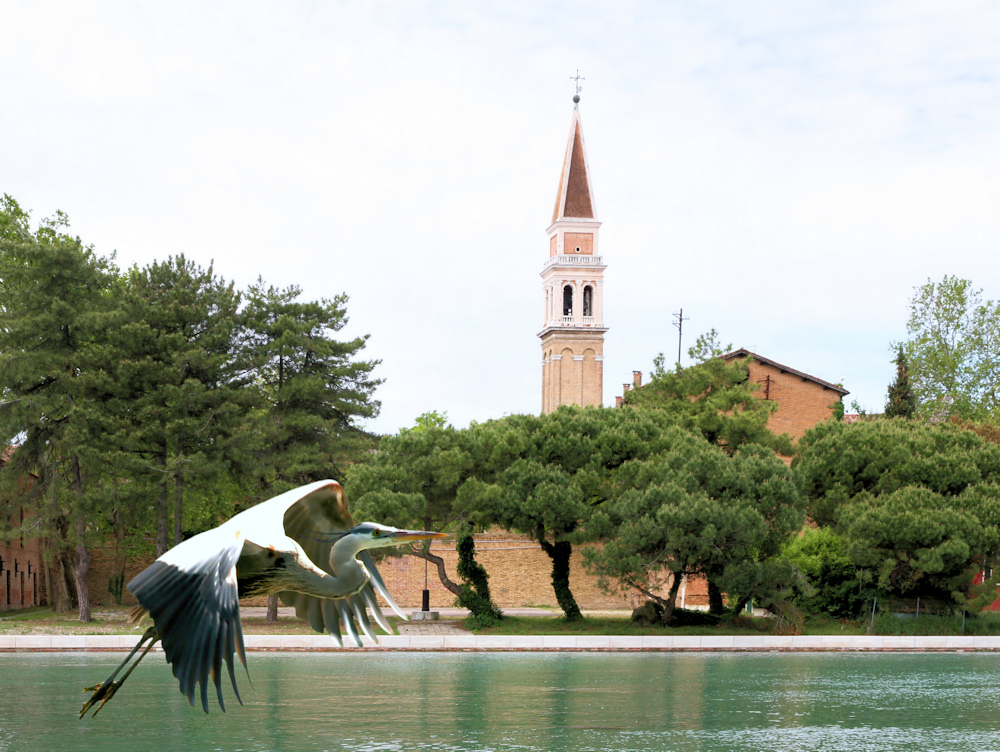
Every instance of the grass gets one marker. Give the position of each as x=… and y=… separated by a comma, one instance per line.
x=885, y=625
x=601, y=625
x=986, y=624
x=112, y=620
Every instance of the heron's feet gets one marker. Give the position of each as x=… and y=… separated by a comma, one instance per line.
x=102, y=692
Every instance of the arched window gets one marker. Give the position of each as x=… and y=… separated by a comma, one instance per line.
x=588, y=297
x=567, y=301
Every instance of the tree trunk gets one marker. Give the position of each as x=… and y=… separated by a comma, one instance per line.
x=62, y=596
x=715, y=603
x=179, y=493
x=442, y=573
x=54, y=567
x=162, y=523
x=117, y=580
x=476, y=590
x=669, y=603
x=272, y=608
x=82, y=567
x=560, y=552
x=46, y=557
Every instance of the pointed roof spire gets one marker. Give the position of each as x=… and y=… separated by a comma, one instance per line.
x=575, y=198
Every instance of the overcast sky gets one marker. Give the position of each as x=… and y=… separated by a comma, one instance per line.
x=785, y=172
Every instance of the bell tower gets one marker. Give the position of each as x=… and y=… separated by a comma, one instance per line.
x=573, y=284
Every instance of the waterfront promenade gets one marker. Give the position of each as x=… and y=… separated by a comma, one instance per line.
x=447, y=634
x=544, y=643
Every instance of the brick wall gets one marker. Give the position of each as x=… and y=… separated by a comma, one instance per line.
x=802, y=403
x=21, y=575
x=520, y=575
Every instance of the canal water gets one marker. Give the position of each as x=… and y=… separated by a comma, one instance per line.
x=520, y=701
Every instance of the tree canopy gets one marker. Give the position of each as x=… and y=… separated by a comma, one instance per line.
x=544, y=475
x=313, y=391
x=118, y=388
x=714, y=398
x=915, y=503
x=952, y=350
x=919, y=543
x=413, y=480
x=902, y=402
x=55, y=298
x=837, y=461
x=692, y=509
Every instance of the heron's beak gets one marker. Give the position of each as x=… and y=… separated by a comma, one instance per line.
x=405, y=536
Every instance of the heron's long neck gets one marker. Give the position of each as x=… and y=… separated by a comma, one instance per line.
x=350, y=575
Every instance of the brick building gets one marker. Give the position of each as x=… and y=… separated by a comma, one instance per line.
x=20, y=567
x=803, y=400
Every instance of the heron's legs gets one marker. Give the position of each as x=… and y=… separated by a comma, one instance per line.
x=107, y=689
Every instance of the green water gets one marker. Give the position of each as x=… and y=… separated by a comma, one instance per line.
x=523, y=701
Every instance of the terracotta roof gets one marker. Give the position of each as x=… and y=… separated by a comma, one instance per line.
x=743, y=352
x=575, y=198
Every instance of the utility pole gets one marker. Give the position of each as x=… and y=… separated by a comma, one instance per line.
x=679, y=323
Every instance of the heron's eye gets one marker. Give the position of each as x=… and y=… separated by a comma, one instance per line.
x=376, y=533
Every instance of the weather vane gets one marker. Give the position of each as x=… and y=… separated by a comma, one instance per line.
x=577, y=78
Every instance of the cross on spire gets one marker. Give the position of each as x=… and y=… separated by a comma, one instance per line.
x=578, y=78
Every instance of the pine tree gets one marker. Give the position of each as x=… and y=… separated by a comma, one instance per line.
x=54, y=309
x=178, y=399
x=312, y=391
x=902, y=402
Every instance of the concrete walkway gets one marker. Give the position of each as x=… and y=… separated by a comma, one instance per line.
x=470, y=642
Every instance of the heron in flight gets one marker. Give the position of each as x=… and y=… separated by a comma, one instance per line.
x=301, y=545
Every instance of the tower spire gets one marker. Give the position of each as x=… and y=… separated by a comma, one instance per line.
x=573, y=284
x=575, y=198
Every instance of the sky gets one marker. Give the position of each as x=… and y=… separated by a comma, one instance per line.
x=784, y=172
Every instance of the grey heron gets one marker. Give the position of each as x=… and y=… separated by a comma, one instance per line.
x=302, y=545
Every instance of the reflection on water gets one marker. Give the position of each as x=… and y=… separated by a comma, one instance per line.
x=520, y=701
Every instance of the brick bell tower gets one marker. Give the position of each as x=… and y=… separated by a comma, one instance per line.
x=573, y=283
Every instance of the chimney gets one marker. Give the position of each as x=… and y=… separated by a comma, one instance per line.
x=618, y=401
x=637, y=379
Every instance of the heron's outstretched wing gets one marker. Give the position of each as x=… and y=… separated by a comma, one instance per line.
x=191, y=594
x=317, y=521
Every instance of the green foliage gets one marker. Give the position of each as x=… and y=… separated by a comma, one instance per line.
x=414, y=480
x=543, y=475
x=116, y=583
x=313, y=390
x=55, y=298
x=706, y=347
x=715, y=399
x=902, y=402
x=835, y=581
x=175, y=399
x=838, y=410
x=128, y=395
x=919, y=543
x=914, y=502
x=692, y=509
x=837, y=461
x=432, y=419
x=475, y=594
x=951, y=351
